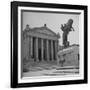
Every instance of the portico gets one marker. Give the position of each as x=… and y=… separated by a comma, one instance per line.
x=42, y=44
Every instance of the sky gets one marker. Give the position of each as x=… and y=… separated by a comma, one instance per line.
x=53, y=21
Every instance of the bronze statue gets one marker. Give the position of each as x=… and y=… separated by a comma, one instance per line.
x=66, y=28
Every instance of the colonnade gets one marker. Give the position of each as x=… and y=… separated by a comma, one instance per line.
x=43, y=49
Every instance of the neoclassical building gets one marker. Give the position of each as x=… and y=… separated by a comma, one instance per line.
x=39, y=43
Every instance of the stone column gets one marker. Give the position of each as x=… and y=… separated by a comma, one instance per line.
x=42, y=49
x=31, y=47
x=47, y=51
x=36, y=48
x=52, y=49
x=55, y=49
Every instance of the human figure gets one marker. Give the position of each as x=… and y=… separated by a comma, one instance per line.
x=66, y=28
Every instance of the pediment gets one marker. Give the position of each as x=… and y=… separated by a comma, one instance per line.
x=45, y=31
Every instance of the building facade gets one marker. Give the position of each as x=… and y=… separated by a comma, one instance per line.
x=39, y=44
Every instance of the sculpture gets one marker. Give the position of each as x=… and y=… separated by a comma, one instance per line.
x=66, y=28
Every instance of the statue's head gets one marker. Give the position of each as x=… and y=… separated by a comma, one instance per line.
x=70, y=22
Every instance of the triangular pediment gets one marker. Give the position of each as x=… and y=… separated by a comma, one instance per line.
x=44, y=30
x=41, y=30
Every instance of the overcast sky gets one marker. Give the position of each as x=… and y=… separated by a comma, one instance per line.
x=53, y=22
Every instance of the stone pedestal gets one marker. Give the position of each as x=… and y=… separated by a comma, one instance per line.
x=69, y=56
